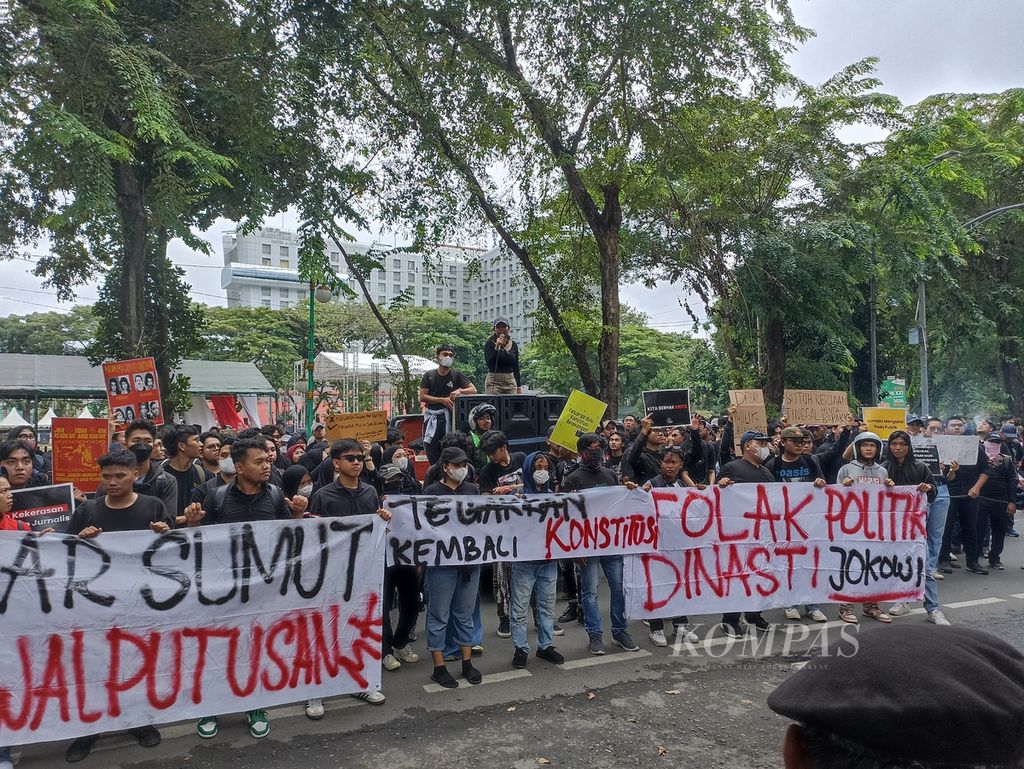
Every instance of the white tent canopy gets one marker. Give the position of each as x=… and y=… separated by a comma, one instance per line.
x=47, y=419
x=330, y=366
x=85, y=413
x=14, y=419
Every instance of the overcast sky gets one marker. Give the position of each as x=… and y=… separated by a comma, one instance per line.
x=924, y=47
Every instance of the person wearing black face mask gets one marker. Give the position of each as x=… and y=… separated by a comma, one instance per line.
x=153, y=481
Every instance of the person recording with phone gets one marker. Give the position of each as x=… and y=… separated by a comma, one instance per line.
x=501, y=354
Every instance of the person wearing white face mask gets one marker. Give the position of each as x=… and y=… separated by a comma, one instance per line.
x=405, y=483
x=749, y=468
x=225, y=472
x=439, y=390
x=452, y=590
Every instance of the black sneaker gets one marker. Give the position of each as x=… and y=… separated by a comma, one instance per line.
x=79, y=749
x=596, y=646
x=470, y=673
x=550, y=654
x=147, y=736
x=761, y=624
x=946, y=567
x=519, y=658
x=732, y=629
x=625, y=640
x=997, y=565
x=976, y=568
x=557, y=630
x=504, y=628
x=570, y=613
x=442, y=677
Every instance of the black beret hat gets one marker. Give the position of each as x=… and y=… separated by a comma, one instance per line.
x=946, y=696
x=453, y=455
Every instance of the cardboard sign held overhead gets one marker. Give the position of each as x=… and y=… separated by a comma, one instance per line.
x=133, y=391
x=667, y=408
x=77, y=444
x=750, y=413
x=815, y=407
x=884, y=421
x=582, y=414
x=360, y=425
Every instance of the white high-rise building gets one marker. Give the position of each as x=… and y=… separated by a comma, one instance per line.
x=261, y=270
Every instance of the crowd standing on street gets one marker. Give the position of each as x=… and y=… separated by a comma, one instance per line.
x=181, y=476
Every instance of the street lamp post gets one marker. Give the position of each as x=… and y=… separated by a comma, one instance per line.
x=316, y=294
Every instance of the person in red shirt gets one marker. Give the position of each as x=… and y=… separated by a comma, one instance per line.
x=7, y=521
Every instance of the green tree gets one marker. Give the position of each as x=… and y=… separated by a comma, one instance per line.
x=49, y=333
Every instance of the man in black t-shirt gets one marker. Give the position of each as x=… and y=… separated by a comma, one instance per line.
x=119, y=509
x=183, y=449
x=439, y=390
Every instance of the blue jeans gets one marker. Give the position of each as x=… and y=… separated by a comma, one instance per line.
x=612, y=567
x=5, y=753
x=527, y=577
x=935, y=528
x=452, y=591
x=451, y=648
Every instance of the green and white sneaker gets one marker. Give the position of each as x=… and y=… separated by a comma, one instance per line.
x=259, y=724
x=207, y=727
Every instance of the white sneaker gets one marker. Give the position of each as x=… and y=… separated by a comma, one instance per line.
x=898, y=610
x=390, y=663
x=6, y=765
x=792, y=613
x=374, y=698
x=938, y=574
x=658, y=638
x=818, y=616
x=684, y=633
x=314, y=709
x=937, y=618
x=406, y=654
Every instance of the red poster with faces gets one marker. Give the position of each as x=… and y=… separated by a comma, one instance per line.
x=133, y=391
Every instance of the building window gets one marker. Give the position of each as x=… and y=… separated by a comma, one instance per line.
x=396, y=289
x=465, y=295
x=266, y=249
x=381, y=299
x=284, y=293
x=396, y=275
x=381, y=287
x=266, y=291
x=334, y=256
x=412, y=265
x=465, y=319
x=397, y=264
x=266, y=303
x=439, y=293
x=284, y=263
x=451, y=295
x=266, y=261
x=451, y=270
x=425, y=302
x=411, y=277
x=284, y=251
x=285, y=305
x=425, y=291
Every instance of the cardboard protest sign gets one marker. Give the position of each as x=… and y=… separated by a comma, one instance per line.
x=77, y=444
x=755, y=546
x=455, y=531
x=956, y=448
x=44, y=507
x=929, y=455
x=581, y=414
x=883, y=421
x=360, y=425
x=133, y=391
x=667, y=408
x=183, y=630
x=815, y=407
x=750, y=414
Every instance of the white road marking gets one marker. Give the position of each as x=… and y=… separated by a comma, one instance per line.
x=1016, y=595
x=587, y=662
x=975, y=602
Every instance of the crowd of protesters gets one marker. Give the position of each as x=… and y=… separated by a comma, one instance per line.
x=179, y=476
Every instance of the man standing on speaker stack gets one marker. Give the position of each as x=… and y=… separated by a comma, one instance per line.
x=502, y=357
x=438, y=391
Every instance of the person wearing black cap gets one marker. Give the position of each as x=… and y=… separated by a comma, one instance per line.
x=909, y=698
x=438, y=391
x=915, y=425
x=749, y=468
x=501, y=354
x=452, y=591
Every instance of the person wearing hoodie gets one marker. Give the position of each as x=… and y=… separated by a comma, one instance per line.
x=998, y=501
x=399, y=457
x=534, y=578
x=904, y=470
x=864, y=468
x=643, y=460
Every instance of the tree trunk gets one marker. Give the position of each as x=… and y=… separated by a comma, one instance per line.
x=159, y=334
x=131, y=292
x=608, y=242
x=774, y=382
x=408, y=401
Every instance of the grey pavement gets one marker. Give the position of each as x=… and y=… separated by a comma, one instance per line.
x=692, y=706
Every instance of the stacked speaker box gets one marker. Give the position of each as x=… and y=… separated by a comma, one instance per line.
x=549, y=408
x=519, y=416
x=466, y=403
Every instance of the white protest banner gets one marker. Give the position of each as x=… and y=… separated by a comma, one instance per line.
x=956, y=448
x=133, y=628
x=461, y=530
x=761, y=546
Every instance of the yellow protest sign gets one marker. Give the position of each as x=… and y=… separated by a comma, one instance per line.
x=361, y=425
x=882, y=420
x=582, y=414
x=749, y=415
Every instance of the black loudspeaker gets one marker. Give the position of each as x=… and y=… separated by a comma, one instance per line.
x=518, y=416
x=527, y=445
x=466, y=403
x=549, y=408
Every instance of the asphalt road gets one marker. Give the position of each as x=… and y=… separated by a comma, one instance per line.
x=653, y=708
